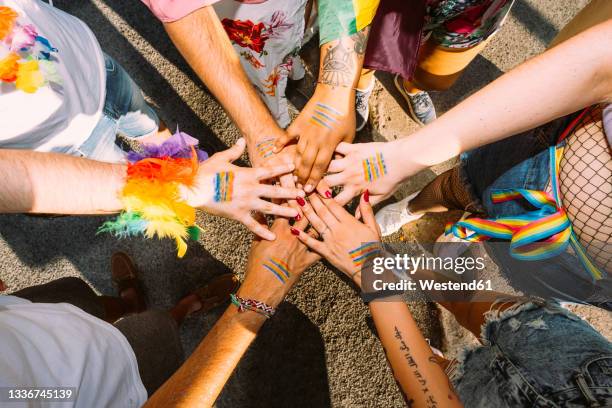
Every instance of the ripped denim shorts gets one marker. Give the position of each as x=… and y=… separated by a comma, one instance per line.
x=536, y=354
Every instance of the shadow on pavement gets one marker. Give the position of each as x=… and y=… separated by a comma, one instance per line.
x=284, y=367
x=534, y=21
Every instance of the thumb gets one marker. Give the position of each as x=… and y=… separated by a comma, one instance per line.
x=367, y=213
x=234, y=152
x=287, y=136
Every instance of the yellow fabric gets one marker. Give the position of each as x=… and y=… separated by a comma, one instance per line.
x=364, y=12
x=442, y=61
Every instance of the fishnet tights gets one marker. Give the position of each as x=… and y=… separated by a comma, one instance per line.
x=585, y=183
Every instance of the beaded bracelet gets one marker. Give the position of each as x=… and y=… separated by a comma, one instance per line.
x=151, y=197
x=252, y=305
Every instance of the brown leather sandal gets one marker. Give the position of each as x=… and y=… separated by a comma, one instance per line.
x=125, y=276
x=216, y=292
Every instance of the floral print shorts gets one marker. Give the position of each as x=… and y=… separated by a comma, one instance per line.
x=267, y=35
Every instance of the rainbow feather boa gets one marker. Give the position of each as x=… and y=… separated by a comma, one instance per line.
x=151, y=195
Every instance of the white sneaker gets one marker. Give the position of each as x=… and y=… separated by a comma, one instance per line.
x=392, y=217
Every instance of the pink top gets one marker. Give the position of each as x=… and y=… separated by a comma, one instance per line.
x=172, y=10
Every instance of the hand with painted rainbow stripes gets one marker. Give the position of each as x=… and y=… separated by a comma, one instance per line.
x=346, y=242
x=274, y=266
x=230, y=191
x=376, y=167
x=326, y=120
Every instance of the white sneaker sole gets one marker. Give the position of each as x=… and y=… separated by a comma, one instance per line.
x=397, y=80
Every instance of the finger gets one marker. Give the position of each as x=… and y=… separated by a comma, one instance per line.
x=344, y=148
x=265, y=173
x=316, y=221
x=270, y=191
x=367, y=212
x=324, y=190
x=310, y=242
x=358, y=213
x=322, y=211
x=301, y=224
x=337, y=165
x=267, y=207
x=282, y=141
x=305, y=164
x=258, y=229
x=337, y=210
x=345, y=196
x=333, y=180
x=318, y=169
x=234, y=152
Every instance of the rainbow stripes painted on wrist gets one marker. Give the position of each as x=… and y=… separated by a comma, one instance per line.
x=224, y=186
x=374, y=167
x=324, y=116
x=151, y=197
x=265, y=148
x=278, y=268
x=364, y=252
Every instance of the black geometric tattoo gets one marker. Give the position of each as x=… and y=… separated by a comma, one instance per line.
x=338, y=66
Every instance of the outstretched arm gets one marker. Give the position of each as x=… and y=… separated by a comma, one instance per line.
x=329, y=116
x=573, y=75
x=198, y=34
x=202, y=377
x=52, y=183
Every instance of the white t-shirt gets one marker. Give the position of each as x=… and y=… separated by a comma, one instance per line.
x=59, y=345
x=55, y=118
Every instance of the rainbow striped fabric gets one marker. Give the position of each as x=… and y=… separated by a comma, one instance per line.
x=278, y=268
x=361, y=254
x=224, y=186
x=539, y=234
x=341, y=18
x=324, y=116
x=535, y=235
x=374, y=167
x=265, y=148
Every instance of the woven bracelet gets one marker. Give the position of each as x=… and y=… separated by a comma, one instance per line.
x=252, y=305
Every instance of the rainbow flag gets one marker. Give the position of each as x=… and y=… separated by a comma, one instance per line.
x=341, y=18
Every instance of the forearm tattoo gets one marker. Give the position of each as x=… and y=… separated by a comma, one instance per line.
x=325, y=116
x=265, y=148
x=340, y=63
x=362, y=253
x=429, y=398
x=278, y=268
x=224, y=186
x=374, y=167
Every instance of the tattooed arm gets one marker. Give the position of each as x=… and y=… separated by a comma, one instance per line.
x=421, y=378
x=329, y=117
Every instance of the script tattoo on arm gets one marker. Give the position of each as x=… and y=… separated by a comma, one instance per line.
x=430, y=400
x=339, y=66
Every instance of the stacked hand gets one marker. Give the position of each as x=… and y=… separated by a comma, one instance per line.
x=236, y=192
x=327, y=119
x=341, y=233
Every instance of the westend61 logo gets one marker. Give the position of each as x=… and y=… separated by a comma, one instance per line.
x=411, y=264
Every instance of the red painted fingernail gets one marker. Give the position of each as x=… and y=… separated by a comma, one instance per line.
x=298, y=217
x=301, y=201
x=366, y=196
x=295, y=231
x=328, y=194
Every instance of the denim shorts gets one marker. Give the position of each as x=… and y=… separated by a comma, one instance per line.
x=522, y=161
x=125, y=113
x=536, y=354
